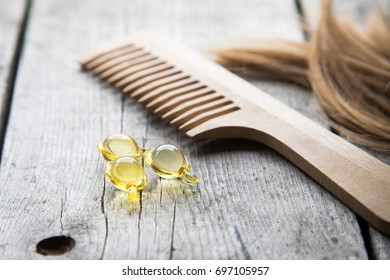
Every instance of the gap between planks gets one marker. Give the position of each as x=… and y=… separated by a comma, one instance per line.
x=10, y=78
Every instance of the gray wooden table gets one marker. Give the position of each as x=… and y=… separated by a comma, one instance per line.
x=251, y=203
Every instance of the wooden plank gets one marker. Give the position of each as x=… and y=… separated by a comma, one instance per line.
x=11, y=19
x=378, y=244
x=250, y=202
x=62, y=113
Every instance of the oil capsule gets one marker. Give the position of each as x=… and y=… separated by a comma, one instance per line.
x=118, y=145
x=128, y=175
x=169, y=161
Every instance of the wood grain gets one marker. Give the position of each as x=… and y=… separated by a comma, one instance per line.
x=250, y=203
x=11, y=21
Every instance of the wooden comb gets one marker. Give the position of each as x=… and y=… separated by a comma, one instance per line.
x=208, y=102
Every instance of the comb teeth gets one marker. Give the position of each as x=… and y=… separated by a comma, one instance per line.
x=208, y=115
x=118, y=60
x=177, y=96
x=182, y=108
x=85, y=62
x=160, y=92
x=129, y=65
x=111, y=56
x=160, y=99
x=147, y=77
x=155, y=82
x=198, y=109
x=130, y=70
x=184, y=97
x=148, y=72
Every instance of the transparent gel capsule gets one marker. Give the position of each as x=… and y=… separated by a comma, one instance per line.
x=128, y=175
x=168, y=161
x=118, y=145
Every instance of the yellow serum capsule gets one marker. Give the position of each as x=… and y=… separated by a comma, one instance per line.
x=169, y=162
x=128, y=175
x=118, y=145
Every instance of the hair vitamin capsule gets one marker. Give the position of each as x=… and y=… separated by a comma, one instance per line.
x=118, y=145
x=121, y=151
x=168, y=161
x=128, y=175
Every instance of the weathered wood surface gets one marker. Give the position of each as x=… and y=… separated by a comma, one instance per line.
x=11, y=20
x=250, y=202
x=359, y=12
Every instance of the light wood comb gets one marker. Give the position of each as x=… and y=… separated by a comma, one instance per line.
x=208, y=102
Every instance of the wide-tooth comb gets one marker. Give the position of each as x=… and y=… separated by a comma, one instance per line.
x=208, y=102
